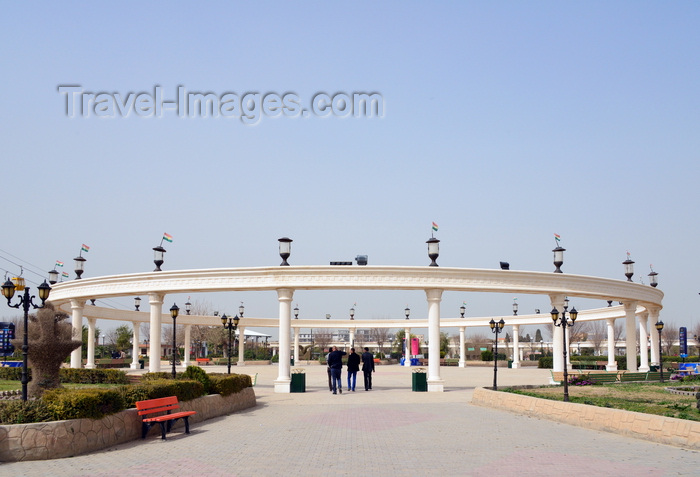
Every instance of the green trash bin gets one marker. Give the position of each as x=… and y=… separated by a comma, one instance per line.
x=510, y=363
x=420, y=380
x=298, y=384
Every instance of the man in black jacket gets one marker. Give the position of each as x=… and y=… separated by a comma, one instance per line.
x=353, y=368
x=367, y=368
x=335, y=362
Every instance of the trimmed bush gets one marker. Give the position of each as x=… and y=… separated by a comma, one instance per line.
x=226, y=384
x=196, y=373
x=83, y=403
x=185, y=390
x=93, y=376
x=546, y=362
x=156, y=376
x=25, y=412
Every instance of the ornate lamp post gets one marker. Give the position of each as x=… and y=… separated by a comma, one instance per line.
x=137, y=302
x=653, y=281
x=515, y=308
x=462, y=310
x=285, y=250
x=158, y=253
x=174, y=311
x=352, y=313
x=496, y=327
x=79, y=266
x=407, y=312
x=188, y=307
x=296, y=312
x=25, y=301
x=629, y=268
x=231, y=325
x=563, y=322
x=433, y=250
x=659, y=327
x=53, y=276
x=558, y=258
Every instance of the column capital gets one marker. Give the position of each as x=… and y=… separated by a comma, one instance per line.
x=156, y=298
x=630, y=306
x=434, y=294
x=285, y=294
x=557, y=301
x=77, y=304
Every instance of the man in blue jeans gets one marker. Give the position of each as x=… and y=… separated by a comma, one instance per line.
x=353, y=368
x=335, y=362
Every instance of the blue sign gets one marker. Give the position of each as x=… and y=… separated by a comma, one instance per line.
x=683, y=341
x=7, y=334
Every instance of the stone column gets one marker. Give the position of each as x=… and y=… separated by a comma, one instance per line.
x=91, y=344
x=241, y=346
x=155, y=331
x=462, y=360
x=296, y=346
x=631, y=335
x=284, y=380
x=653, y=318
x=643, y=342
x=435, y=382
x=407, y=342
x=612, y=364
x=516, y=346
x=135, y=325
x=352, y=338
x=188, y=346
x=557, y=302
x=76, y=356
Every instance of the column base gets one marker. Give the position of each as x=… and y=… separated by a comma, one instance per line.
x=643, y=369
x=611, y=367
x=90, y=366
x=436, y=385
x=134, y=365
x=462, y=364
x=283, y=385
x=515, y=365
x=240, y=363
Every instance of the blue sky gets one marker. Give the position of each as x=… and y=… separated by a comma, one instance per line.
x=504, y=122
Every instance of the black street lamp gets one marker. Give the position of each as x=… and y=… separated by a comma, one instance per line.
x=25, y=301
x=158, y=253
x=352, y=313
x=653, y=281
x=629, y=268
x=230, y=324
x=137, y=302
x=433, y=250
x=79, y=265
x=563, y=322
x=53, y=276
x=496, y=327
x=659, y=327
x=296, y=312
x=558, y=258
x=515, y=308
x=174, y=311
x=407, y=312
x=188, y=307
x=462, y=310
x=285, y=250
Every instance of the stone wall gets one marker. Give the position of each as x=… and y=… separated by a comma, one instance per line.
x=53, y=440
x=665, y=430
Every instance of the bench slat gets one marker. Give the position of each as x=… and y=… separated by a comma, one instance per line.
x=161, y=405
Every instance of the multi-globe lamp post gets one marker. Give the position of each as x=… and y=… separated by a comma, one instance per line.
x=25, y=301
x=496, y=328
x=231, y=324
x=564, y=323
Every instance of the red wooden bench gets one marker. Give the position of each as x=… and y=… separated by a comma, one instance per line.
x=162, y=407
x=201, y=361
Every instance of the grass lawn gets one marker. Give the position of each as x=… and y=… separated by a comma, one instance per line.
x=649, y=398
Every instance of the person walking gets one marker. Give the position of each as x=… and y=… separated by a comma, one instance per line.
x=335, y=362
x=353, y=367
x=328, y=369
x=367, y=368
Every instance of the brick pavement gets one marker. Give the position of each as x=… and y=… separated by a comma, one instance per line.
x=385, y=431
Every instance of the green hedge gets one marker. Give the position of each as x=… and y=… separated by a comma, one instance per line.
x=70, y=375
x=83, y=403
x=25, y=412
x=226, y=384
x=185, y=390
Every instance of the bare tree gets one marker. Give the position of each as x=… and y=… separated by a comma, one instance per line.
x=322, y=339
x=669, y=335
x=598, y=331
x=380, y=335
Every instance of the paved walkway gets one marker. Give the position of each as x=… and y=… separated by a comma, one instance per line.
x=387, y=431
